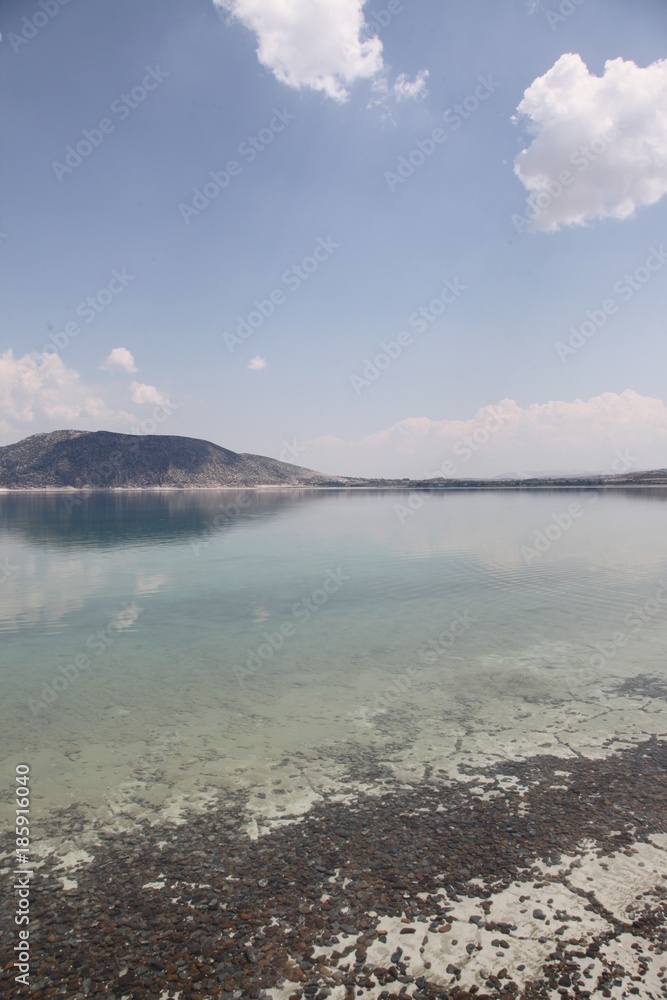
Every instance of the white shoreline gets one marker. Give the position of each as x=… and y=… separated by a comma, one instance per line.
x=285, y=486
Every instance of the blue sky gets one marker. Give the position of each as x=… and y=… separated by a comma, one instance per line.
x=336, y=114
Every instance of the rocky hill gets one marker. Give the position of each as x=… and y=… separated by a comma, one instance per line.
x=105, y=460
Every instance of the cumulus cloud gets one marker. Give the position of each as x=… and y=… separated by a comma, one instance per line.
x=49, y=396
x=608, y=132
x=141, y=394
x=311, y=43
x=120, y=359
x=406, y=89
x=506, y=438
x=257, y=363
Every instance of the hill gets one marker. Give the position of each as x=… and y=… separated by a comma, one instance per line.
x=81, y=460
x=105, y=460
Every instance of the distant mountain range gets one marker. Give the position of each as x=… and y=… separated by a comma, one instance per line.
x=84, y=460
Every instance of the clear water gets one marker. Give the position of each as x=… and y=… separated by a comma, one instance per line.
x=255, y=641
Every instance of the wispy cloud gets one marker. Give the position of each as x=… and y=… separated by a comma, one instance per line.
x=406, y=89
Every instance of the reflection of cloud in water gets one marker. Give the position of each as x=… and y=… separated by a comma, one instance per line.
x=164, y=698
x=455, y=537
x=126, y=618
x=475, y=525
x=150, y=583
x=42, y=592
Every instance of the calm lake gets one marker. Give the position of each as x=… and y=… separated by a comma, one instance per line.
x=163, y=650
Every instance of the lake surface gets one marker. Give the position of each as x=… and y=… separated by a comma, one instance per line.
x=163, y=650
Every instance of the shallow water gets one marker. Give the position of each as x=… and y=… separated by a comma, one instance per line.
x=275, y=643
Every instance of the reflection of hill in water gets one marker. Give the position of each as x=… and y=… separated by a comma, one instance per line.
x=102, y=520
x=645, y=492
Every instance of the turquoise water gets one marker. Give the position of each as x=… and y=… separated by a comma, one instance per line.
x=166, y=645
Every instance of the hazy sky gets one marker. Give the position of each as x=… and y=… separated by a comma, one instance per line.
x=218, y=216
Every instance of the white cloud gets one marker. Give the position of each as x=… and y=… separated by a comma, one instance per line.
x=50, y=396
x=47, y=395
x=582, y=435
x=141, y=394
x=257, y=363
x=120, y=359
x=572, y=115
x=384, y=96
x=311, y=43
x=406, y=89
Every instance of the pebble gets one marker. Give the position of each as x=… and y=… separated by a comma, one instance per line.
x=259, y=924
